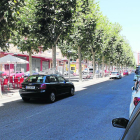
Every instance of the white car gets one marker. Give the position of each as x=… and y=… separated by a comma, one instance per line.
x=135, y=98
x=85, y=71
x=136, y=77
x=115, y=74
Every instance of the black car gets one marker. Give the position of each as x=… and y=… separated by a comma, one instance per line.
x=45, y=87
x=132, y=126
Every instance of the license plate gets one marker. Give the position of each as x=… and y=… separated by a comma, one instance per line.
x=30, y=87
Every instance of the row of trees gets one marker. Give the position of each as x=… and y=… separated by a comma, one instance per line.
x=72, y=25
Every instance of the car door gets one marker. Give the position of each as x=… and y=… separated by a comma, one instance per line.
x=62, y=83
x=54, y=84
x=132, y=131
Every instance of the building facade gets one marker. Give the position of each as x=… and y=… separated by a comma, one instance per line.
x=40, y=61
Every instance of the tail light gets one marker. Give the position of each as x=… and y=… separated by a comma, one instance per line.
x=20, y=87
x=117, y=74
x=110, y=74
x=136, y=100
x=43, y=86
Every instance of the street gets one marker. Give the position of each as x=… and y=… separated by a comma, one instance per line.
x=85, y=116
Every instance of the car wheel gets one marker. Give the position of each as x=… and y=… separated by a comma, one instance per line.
x=72, y=91
x=52, y=97
x=25, y=99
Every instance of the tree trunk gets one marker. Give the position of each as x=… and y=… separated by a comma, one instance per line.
x=116, y=66
x=69, y=67
x=30, y=62
x=119, y=67
x=103, y=66
x=109, y=65
x=54, y=59
x=93, y=62
x=80, y=66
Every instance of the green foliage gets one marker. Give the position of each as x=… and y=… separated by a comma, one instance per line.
x=8, y=11
x=55, y=20
x=25, y=36
x=66, y=23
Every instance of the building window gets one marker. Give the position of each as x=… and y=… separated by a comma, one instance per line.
x=6, y=67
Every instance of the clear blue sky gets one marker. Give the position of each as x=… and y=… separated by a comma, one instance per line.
x=127, y=14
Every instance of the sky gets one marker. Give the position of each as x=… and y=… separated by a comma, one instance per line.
x=127, y=14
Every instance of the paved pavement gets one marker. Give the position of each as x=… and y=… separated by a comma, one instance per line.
x=13, y=94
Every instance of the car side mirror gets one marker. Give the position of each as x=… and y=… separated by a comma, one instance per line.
x=120, y=122
x=134, y=80
x=133, y=88
x=66, y=80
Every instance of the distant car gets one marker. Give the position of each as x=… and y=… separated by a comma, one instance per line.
x=131, y=125
x=26, y=74
x=85, y=71
x=115, y=74
x=46, y=87
x=125, y=72
x=17, y=74
x=67, y=72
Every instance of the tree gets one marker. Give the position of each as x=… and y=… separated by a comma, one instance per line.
x=56, y=22
x=25, y=36
x=8, y=11
x=84, y=28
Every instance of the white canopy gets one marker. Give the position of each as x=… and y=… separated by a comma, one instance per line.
x=9, y=59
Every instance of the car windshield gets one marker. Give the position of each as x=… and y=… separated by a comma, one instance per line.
x=35, y=79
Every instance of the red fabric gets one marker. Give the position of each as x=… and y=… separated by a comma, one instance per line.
x=4, y=82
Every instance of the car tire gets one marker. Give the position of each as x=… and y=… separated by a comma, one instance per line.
x=25, y=99
x=52, y=97
x=72, y=92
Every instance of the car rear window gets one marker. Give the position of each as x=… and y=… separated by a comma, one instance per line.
x=35, y=79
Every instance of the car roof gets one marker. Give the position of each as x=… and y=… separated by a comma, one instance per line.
x=47, y=75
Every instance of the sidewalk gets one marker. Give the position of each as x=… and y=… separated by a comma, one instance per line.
x=13, y=94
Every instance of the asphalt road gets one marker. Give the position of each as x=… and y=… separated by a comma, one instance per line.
x=85, y=116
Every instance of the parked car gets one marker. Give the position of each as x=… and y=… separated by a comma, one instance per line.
x=17, y=74
x=135, y=98
x=131, y=125
x=115, y=74
x=46, y=87
x=26, y=74
x=125, y=72
x=67, y=72
x=85, y=71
